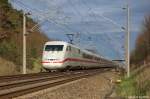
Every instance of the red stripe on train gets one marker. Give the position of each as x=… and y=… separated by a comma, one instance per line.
x=73, y=59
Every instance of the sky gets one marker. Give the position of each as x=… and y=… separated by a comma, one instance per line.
x=96, y=24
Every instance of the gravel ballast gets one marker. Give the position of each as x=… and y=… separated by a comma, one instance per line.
x=94, y=87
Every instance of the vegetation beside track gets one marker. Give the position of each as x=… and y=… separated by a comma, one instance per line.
x=141, y=54
x=11, y=21
x=137, y=85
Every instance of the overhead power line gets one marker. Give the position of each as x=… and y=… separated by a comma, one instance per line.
x=106, y=18
x=42, y=15
x=77, y=12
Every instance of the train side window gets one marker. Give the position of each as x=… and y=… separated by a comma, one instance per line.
x=68, y=48
x=79, y=51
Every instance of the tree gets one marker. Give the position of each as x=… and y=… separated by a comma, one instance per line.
x=142, y=49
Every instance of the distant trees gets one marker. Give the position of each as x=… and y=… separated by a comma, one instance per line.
x=142, y=49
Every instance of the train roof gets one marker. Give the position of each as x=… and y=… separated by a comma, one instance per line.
x=55, y=42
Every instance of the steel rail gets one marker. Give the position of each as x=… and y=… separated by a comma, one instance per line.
x=21, y=88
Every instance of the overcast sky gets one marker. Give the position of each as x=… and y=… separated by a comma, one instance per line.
x=99, y=19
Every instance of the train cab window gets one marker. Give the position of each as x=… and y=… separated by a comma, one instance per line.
x=68, y=48
x=54, y=47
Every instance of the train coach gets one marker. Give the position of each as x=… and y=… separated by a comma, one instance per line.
x=60, y=55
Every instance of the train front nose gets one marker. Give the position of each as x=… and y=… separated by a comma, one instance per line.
x=52, y=64
x=52, y=56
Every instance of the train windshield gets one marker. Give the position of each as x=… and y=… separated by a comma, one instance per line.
x=54, y=47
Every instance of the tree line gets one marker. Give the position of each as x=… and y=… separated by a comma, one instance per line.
x=141, y=53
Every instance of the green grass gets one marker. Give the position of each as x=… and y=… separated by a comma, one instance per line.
x=127, y=87
x=133, y=87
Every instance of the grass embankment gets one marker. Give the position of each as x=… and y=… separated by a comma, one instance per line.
x=11, y=22
x=138, y=84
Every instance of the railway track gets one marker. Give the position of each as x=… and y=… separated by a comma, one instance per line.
x=17, y=85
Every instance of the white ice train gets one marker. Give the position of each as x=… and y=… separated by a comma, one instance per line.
x=59, y=55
